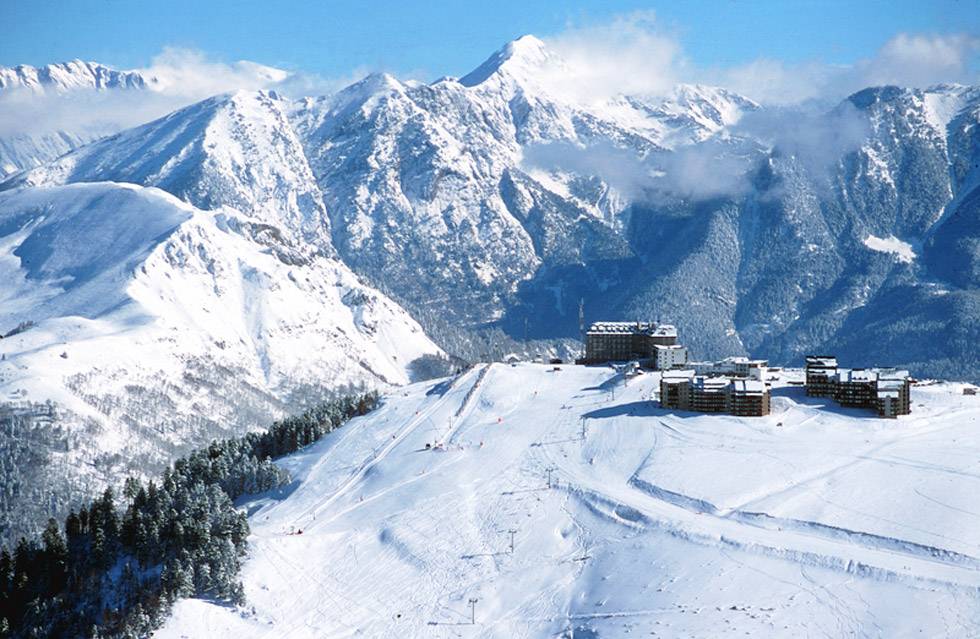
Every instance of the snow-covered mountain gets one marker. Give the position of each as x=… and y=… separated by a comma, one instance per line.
x=567, y=504
x=902, y=189
x=24, y=85
x=235, y=150
x=441, y=171
x=153, y=326
x=71, y=76
x=48, y=111
x=501, y=197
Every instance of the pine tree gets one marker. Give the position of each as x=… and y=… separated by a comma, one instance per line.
x=55, y=557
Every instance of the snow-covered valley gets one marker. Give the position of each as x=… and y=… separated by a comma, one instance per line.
x=626, y=519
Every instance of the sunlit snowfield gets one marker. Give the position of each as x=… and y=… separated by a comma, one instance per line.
x=814, y=521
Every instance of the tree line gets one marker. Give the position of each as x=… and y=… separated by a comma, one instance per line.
x=119, y=562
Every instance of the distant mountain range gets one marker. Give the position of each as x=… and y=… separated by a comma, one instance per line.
x=249, y=234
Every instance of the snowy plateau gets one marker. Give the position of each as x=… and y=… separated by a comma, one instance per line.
x=814, y=521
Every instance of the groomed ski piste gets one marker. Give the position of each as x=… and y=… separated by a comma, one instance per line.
x=628, y=519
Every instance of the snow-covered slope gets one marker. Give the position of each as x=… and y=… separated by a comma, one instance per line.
x=233, y=150
x=163, y=324
x=814, y=521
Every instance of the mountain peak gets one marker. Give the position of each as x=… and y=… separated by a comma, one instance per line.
x=516, y=57
x=526, y=46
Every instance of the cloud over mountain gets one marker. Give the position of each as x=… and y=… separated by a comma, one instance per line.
x=635, y=53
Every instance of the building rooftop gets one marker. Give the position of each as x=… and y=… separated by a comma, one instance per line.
x=892, y=374
x=826, y=361
x=745, y=360
x=712, y=384
x=629, y=328
x=667, y=347
x=855, y=375
x=677, y=376
x=886, y=377
x=748, y=386
x=890, y=384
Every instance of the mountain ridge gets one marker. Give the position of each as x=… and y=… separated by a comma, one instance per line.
x=497, y=202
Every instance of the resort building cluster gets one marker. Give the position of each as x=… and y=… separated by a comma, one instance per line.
x=737, y=385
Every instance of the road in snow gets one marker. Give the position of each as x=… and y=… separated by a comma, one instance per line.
x=814, y=521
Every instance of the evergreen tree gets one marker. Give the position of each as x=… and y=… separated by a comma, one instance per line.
x=55, y=557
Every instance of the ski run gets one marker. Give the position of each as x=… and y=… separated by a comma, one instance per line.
x=539, y=501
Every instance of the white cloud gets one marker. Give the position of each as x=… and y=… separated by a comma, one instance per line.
x=629, y=55
x=189, y=73
x=919, y=60
x=908, y=60
x=176, y=78
x=816, y=138
x=633, y=54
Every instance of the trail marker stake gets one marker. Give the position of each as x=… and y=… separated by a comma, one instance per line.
x=473, y=601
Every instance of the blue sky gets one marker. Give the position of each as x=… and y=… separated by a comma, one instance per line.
x=430, y=39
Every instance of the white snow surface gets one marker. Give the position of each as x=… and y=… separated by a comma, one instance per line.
x=942, y=103
x=902, y=251
x=127, y=284
x=814, y=521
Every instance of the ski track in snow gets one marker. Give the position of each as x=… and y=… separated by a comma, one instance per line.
x=648, y=528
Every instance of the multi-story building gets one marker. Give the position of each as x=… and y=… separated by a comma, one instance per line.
x=654, y=345
x=683, y=390
x=710, y=394
x=820, y=369
x=675, y=389
x=892, y=397
x=886, y=391
x=855, y=388
x=667, y=357
x=749, y=398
